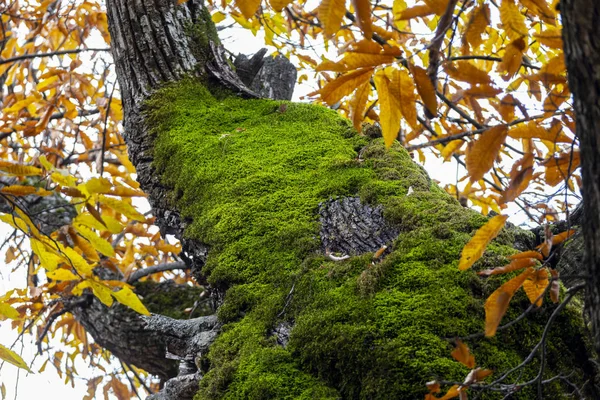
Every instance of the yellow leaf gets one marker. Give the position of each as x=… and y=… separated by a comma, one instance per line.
x=121, y=207
x=362, y=8
x=98, y=185
x=101, y=291
x=19, y=169
x=512, y=20
x=389, y=104
x=279, y=5
x=479, y=20
x=535, y=285
x=127, y=297
x=47, y=255
x=358, y=103
x=219, y=16
x=78, y=262
x=62, y=274
x=17, y=190
x=330, y=14
x=451, y=148
x=476, y=246
x=49, y=83
x=482, y=153
x=6, y=311
x=99, y=243
x=497, y=304
x=333, y=91
x=247, y=7
x=13, y=358
x=424, y=88
x=462, y=354
x=64, y=179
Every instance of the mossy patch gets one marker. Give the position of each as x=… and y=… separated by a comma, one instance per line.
x=250, y=179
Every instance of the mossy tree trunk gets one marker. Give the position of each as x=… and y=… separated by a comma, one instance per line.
x=285, y=214
x=582, y=50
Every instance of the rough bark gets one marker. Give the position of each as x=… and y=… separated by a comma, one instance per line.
x=582, y=53
x=156, y=42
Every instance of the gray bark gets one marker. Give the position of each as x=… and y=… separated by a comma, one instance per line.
x=582, y=53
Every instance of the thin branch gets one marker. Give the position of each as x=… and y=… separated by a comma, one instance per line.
x=50, y=54
x=140, y=273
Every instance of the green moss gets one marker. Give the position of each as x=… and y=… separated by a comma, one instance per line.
x=170, y=299
x=250, y=178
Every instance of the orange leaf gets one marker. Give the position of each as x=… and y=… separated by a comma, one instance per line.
x=476, y=246
x=462, y=355
x=482, y=153
x=362, y=9
x=535, y=286
x=18, y=190
x=515, y=265
x=561, y=237
x=527, y=254
x=333, y=91
x=330, y=14
x=424, y=88
x=497, y=304
x=414, y=12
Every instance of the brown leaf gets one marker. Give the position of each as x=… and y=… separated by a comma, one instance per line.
x=479, y=20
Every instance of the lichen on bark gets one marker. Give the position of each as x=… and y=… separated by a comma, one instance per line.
x=248, y=177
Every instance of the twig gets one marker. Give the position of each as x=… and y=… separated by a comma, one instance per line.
x=140, y=273
x=50, y=54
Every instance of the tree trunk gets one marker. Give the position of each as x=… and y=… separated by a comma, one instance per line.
x=582, y=53
x=332, y=261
